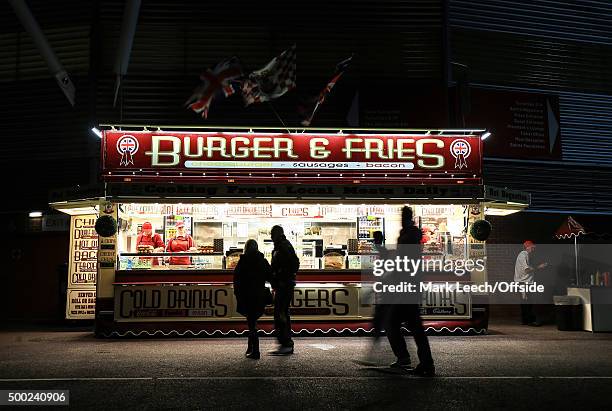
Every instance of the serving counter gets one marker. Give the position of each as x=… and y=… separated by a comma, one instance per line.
x=201, y=302
x=597, y=310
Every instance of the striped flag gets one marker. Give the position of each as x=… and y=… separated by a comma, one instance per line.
x=272, y=81
x=340, y=69
x=214, y=81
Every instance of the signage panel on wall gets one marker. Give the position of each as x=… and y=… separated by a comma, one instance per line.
x=523, y=125
x=56, y=222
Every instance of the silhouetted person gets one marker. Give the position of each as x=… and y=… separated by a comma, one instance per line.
x=285, y=265
x=380, y=310
x=252, y=295
x=409, y=245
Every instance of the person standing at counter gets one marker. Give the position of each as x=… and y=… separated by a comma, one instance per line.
x=524, y=272
x=252, y=295
x=148, y=238
x=285, y=265
x=182, y=242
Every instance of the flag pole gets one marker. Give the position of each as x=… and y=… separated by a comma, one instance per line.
x=309, y=120
x=278, y=116
x=576, y=257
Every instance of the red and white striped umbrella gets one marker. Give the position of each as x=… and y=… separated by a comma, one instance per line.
x=570, y=228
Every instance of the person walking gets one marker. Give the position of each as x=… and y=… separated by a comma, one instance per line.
x=409, y=245
x=524, y=272
x=285, y=265
x=380, y=309
x=252, y=295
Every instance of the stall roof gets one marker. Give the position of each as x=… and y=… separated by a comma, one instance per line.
x=77, y=207
x=287, y=192
x=502, y=201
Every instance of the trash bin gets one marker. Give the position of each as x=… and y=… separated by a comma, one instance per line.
x=568, y=312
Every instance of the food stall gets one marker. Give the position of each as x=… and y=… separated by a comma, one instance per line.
x=329, y=190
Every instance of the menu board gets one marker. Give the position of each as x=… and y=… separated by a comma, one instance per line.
x=83, y=267
x=83, y=252
x=201, y=212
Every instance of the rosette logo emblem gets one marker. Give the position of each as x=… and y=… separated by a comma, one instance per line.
x=127, y=146
x=460, y=149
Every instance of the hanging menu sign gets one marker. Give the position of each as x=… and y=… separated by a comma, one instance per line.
x=83, y=266
x=83, y=251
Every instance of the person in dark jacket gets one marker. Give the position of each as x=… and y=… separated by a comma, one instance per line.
x=285, y=264
x=252, y=295
x=409, y=245
x=380, y=308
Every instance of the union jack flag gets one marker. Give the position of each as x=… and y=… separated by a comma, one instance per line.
x=214, y=81
x=272, y=81
x=340, y=69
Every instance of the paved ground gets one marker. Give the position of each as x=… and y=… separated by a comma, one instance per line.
x=513, y=367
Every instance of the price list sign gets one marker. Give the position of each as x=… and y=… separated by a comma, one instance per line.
x=83, y=267
x=81, y=304
x=83, y=251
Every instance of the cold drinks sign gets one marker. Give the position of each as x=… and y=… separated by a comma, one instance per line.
x=208, y=155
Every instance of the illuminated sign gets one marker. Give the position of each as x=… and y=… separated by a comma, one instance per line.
x=83, y=259
x=82, y=267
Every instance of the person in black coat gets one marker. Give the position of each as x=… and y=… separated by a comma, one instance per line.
x=380, y=309
x=252, y=295
x=409, y=245
x=285, y=265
